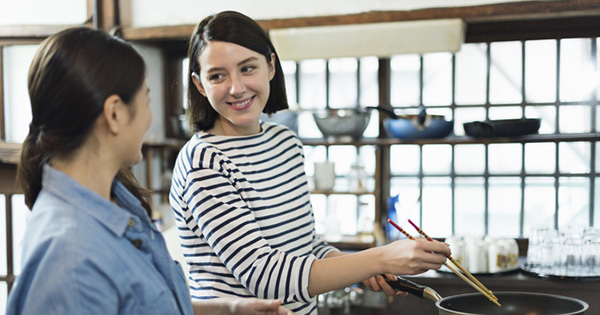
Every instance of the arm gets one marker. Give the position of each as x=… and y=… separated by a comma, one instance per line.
x=401, y=257
x=239, y=306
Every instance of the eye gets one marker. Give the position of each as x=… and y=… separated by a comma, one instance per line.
x=248, y=68
x=216, y=77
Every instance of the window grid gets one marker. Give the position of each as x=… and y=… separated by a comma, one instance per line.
x=523, y=174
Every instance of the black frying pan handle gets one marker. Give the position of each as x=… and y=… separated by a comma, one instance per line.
x=402, y=284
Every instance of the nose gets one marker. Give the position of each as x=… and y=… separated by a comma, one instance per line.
x=237, y=87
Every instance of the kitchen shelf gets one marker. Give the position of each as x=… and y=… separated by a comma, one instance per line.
x=456, y=140
x=341, y=192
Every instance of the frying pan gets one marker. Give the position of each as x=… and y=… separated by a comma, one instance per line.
x=420, y=126
x=502, y=128
x=513, y=303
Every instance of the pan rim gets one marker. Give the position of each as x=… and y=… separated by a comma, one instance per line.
x=585, y=305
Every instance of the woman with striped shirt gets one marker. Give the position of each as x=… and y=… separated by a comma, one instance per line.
x=239, y=191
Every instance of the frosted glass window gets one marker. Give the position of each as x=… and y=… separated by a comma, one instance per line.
x=540, y=158
x=342, y=82
x=539, y=203
x=437, y=207
x=504, y=206
x=404, y=80
x=573, y=201
x=20, y=215
x=469, y=206
x=464, y=115
x=367, y=155
x=540, y=70
x=3, y=252
x=597, y=204
x=504, y=158
x=319, y=205
x=369, y=84
x=342, y=214
x=469, y=158
x=471, y=66
x=575, y=119
x=307, y=127
x=289, y=71
x=578, y=77
x=3, y=295
x=407, y=188
x=437, y=159
x=505, y=73
x=343, y=156
x=508, y=112
x=597, y=157
x=17, y=107
x=314, y=82
x=313, y=154
x=404, y=159
x=547, y=114
x=574, y=157
x=437, y=79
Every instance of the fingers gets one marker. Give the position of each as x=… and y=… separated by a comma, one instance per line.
x=385, y=286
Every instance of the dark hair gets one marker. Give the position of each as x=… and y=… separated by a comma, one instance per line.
x=71, y=75
x=236, y=28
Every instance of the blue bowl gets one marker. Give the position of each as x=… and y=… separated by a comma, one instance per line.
x=408, y=127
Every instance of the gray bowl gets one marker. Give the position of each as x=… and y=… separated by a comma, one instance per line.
x=342, y=122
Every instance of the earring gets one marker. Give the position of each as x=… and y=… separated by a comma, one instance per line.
x=195, y=75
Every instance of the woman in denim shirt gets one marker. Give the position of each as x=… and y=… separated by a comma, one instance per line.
x=90, y=246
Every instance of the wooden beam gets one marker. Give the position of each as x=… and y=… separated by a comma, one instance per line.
x=8, y=177
x=514, y=11
x=29, y=32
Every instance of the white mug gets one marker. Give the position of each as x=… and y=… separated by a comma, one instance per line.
x=324, y=175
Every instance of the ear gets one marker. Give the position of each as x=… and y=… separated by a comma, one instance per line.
x=113, y=113
x=272, y=67
x=198, y=84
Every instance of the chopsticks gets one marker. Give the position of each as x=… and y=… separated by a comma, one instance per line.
x=469, y=278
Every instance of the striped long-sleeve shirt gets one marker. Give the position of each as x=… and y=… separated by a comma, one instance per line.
x=242, y=207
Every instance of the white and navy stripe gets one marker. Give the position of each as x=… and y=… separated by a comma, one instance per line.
x=245, y=221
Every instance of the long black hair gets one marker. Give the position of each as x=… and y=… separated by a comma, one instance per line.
x=71, y=75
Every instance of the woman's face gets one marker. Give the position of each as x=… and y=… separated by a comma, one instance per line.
x=235, y=80
x=141, y=118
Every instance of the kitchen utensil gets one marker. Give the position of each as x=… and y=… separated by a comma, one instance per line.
x=324, y=175
x=502, y=128
x=464, y=274
x=342, y=122
x=420, y=126
x=513, y=303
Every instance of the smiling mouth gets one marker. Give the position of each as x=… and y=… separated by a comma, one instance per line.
x=242, y=104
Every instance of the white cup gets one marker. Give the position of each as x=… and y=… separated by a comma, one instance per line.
x=324, y=175
x=476, y=255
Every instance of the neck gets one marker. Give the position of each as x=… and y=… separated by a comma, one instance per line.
x=225, y=129
x=90, y=170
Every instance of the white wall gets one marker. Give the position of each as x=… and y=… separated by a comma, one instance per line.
x=42, y=12
x=176, y=12
x=154, y=79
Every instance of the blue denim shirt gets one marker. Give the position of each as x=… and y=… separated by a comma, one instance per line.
x=83, y=254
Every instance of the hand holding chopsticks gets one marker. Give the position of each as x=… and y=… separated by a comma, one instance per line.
x=453, y=265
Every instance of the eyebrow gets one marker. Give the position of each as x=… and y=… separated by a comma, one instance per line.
x=238, y=64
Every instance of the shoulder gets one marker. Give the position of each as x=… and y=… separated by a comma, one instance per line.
x=199, y=152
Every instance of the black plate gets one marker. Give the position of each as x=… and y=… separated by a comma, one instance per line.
x=502, y=128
